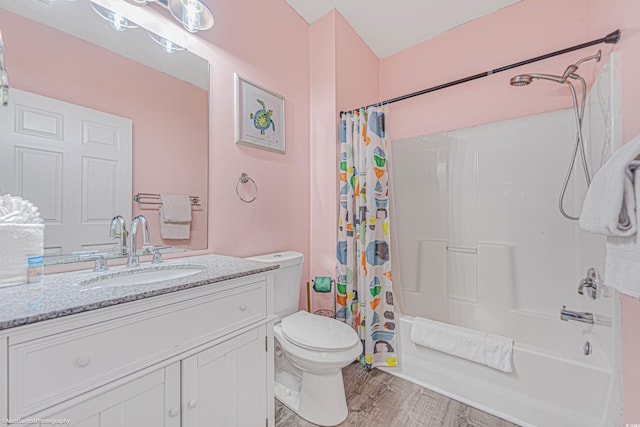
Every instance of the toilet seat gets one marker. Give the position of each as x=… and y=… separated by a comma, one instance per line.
x=318, y=333
x=319, y=359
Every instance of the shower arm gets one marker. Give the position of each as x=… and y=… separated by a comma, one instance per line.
x=597, y=56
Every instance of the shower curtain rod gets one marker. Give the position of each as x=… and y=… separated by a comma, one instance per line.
x=609, y=38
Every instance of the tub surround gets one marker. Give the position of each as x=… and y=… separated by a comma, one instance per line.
x=61, y=295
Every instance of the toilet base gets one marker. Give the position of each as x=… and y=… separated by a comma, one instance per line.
x=321, y=399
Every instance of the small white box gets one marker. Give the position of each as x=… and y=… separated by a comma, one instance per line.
x=17, y=243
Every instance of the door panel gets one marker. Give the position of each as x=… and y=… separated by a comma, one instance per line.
x=226, y=385
x=72, y=162
x=152, y=400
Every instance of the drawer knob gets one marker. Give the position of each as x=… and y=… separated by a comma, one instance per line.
x=174, y=412
x=83, y=361
x=192, y=404
x=243, y=307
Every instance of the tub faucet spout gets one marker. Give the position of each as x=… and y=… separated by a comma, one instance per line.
x=578, y=316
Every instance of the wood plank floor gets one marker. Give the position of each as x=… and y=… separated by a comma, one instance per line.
x=376, y=398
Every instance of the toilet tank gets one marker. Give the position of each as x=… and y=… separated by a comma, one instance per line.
x=286, y=280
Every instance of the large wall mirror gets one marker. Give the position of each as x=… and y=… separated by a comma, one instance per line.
x=96, y=116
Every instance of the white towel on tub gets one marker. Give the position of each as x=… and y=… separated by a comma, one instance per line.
x=17, y=243
x=622, y=264
x=487, y=349
x=610, y=203
x=612, y=207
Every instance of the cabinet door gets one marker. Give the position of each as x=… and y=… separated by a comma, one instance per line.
x=152, y=400
x=227, y=385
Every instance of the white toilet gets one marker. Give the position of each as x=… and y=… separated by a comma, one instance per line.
x=310, y=350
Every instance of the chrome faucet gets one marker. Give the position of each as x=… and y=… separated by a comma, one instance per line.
x=590, y=282
x=134, y=260
x=118, y=223
x=578, y=316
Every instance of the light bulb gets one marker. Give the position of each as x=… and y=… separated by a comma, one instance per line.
x=167, y=45
x=191, y=13
x=118, y=22
x=194, y=14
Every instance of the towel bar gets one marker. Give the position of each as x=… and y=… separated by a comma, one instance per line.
x=141, y=198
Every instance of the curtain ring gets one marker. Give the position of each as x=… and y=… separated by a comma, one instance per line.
x=244, y=178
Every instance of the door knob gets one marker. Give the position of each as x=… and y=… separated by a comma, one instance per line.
x=174, y=412
x=192, y=404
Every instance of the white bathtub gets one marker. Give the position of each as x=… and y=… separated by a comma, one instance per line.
x=479, y=243
x=543, y=390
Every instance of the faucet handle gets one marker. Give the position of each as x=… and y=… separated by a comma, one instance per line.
x=591, y=282
x=99, y=258
x=157, y=256
x=101, y=263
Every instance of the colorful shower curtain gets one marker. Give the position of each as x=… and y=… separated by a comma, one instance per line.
x=364, y=293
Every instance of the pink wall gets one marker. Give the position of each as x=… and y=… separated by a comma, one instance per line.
x=507, y=36
x=343, y=75
x=264, y=41
x=169, y=116
x=322, y=165
x=502, y=38
x=357, y=69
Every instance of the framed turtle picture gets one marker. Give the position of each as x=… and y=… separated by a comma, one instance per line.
x=259, y=116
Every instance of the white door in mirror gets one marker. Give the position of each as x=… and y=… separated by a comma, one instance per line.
x=50, y=148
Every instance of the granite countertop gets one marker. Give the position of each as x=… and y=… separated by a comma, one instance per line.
x=63, y=294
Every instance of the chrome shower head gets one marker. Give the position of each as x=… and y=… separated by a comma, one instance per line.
x=525, y=79
x=521, y=80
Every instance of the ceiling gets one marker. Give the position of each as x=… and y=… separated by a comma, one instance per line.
x=388, y=26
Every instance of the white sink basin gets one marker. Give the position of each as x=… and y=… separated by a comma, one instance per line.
x=142, y=276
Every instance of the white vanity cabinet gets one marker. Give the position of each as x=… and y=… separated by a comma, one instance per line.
x=224, y=385
x=151, y=400
x=195, y=357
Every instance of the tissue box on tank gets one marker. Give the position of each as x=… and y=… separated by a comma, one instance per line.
x=17, y=243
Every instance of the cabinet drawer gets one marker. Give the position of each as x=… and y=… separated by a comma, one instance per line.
x=45, y=371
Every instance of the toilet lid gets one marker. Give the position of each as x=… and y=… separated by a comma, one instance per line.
x=318, y=332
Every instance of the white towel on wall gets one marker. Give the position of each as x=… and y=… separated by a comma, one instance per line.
x=17, y=243
x=175, y=216
x=176, y=207
x=491, y=350
x=612, y=208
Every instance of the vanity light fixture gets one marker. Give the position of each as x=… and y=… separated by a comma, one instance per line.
x=167, y=45
x=117, y=22
x=193, y=14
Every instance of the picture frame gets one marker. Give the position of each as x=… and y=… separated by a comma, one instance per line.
x=259, y=116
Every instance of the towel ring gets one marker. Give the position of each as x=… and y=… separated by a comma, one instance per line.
x=244, y=178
